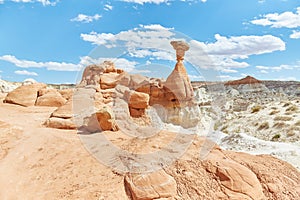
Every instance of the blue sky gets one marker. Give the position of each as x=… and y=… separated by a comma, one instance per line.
x=51, y=41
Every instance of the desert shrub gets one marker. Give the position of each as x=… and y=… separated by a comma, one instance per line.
x=276, y=137
x=286, y=104
x=279, y=125
x=274, y=108
x=264, y=125
x=274, y=112
x=290, y=133
x=283, y=118
x=292, y=108
x=289, y=113
x=255, y=109
x=297, y=123
x=224, y=128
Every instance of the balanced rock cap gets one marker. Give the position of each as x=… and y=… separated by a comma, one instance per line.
x=181, y=47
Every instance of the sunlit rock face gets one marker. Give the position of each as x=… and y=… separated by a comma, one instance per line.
x=109, y=86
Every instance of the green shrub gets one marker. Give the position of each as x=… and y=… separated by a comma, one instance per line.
x=275, y=137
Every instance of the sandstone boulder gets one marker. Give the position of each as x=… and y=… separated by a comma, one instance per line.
x=108, y=80
x=102, y=120
x=60, y=123
x=51, y=98
x=24, y=95
x=106, y=119
x=138, y=100
x=91, y=76
x=156, y=185
x=66, y=93
x=137, y=103
x=65, y=111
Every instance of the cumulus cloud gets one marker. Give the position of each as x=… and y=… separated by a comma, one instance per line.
x=278, y=20
x=153, y=41
x=55, y=66
x=146, y=1
x=108, y=7
x=86, y=18
x=243, y=46
x=26, y=73
x=295, y=35
x=44, y=2
x=121, y=63
x=279, y=68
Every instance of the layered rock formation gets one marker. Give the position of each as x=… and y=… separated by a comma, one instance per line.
x=109, y=85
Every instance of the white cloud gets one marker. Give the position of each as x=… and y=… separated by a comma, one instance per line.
x=1, y=1
x=153, y=41
x=108, y=7
x=25, y=72
x=295, y=35
x=56, y=66
x=243, y=46
x=120, y=63
x=279, y=68
x=44, y=2
x=86, y=18
x=290, y=78
x=195, y=77
x=146, y=1
x=286, y=19
x=227, y=77
x=263, y=71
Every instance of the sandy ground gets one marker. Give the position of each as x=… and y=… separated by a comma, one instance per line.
x=42, y=163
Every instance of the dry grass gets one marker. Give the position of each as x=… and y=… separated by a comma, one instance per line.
x=255, y=109
x=292, y=108
x=264, y=125
x=274, y=112
x=283, y=118
x=279, y=125
x=286, y=104
x=297, y=123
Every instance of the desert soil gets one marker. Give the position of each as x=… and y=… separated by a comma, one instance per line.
x=43, y=163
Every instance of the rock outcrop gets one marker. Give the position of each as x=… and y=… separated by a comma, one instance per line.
x=246, y=80
x=6, y=86
x=50, y=98
x=25, y=95
x=156, y=185
x=178, y=82
x=138, y=102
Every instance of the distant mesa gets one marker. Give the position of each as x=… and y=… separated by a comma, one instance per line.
x=244, y=81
